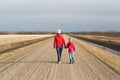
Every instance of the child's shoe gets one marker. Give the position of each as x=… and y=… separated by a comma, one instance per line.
x=70, y=61
x=73, y=60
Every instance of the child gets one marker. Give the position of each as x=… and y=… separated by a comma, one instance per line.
x=71, y=50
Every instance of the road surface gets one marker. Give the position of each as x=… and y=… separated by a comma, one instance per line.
x=40, y=63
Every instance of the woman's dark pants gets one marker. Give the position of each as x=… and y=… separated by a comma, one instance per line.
x=59, y=52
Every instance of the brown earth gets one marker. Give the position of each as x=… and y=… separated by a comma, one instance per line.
x=39, y=63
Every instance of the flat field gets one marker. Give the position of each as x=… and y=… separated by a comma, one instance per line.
x=107, y=41
x=5, y=39
x=102, y=38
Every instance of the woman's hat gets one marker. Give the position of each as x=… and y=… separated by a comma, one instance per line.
x=59, y=31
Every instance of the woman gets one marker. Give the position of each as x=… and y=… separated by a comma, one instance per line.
x=59, y=42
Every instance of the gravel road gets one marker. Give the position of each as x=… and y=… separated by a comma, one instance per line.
x=40, y=63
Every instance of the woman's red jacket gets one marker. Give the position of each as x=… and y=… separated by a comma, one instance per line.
x=59, y=40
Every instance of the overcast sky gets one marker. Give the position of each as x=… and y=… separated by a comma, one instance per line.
x=68, y=15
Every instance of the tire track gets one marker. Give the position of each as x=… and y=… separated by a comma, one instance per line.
x=14, y=64
x=10, y=61
x=32, y=62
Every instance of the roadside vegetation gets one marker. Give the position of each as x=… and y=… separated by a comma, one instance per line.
x=107, y=39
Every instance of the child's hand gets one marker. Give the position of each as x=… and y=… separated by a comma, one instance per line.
x=65, y=47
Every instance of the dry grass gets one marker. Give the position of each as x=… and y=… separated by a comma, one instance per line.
x=5, y=39
x=109, y=42
x=12, y=42
x=102, y=38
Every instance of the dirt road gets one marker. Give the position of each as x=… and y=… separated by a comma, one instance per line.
x=40, y=64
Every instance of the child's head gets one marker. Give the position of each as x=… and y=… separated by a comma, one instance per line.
x=70, y=39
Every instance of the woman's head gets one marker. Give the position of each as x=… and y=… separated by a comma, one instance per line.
x=58, y=31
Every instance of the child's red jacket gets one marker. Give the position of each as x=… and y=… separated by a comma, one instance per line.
x=59, y=40
x=71, y=47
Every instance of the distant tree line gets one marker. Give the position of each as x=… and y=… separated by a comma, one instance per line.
x=112, y=34
x=34, y=32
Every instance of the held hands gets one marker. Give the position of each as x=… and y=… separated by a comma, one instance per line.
x=65, y=47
